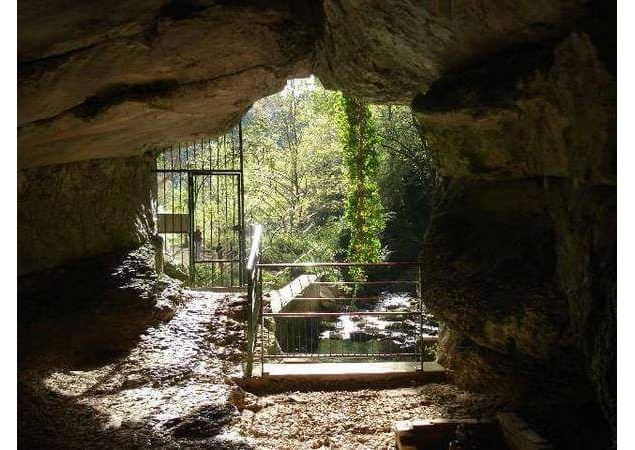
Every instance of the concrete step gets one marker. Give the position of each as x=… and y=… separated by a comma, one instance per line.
x=317, y=376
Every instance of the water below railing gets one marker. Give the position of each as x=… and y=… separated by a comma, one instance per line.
x=376, y=324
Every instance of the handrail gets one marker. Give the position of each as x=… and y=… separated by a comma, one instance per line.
x=418, y=345
x=340, y=264
x=342, y=313
x=255, y=245
x=371, y=283
x=254, y=297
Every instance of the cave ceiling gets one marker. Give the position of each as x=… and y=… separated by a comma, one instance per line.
x=111, y=79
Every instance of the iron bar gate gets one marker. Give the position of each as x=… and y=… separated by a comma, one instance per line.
x=201, y=209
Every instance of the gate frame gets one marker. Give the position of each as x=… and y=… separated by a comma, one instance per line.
x=191, y=173
x=191, y=206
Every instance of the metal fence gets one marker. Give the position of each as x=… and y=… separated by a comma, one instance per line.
x=201, y=208
x=345, y=323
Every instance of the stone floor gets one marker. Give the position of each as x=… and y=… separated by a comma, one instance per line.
x=168, y=388
x=171, y=388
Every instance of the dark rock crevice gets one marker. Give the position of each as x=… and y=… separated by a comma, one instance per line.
x=180, y=9
x=113, y=95
x=117, y=94
x=489, y=84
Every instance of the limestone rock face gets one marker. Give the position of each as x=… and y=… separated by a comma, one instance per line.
x=526, y=113
x=147, y=73
x=110, y=79
x=521, y=251
x=392, y=50
x=77, y=210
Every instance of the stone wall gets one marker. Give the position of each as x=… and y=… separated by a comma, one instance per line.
x=77, y=210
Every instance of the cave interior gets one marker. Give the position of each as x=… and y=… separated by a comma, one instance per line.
x=517, y=101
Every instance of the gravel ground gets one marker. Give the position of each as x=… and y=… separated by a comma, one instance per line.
x=360, y=419
x=172, y=389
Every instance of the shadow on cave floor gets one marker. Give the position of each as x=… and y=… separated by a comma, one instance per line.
x=170, y=387
x=165, y=388
x=112, y=356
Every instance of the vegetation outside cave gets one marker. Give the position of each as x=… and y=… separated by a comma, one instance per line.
x=298, y=177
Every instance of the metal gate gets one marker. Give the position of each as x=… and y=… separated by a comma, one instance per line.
x=201, y=210
x=217, y=221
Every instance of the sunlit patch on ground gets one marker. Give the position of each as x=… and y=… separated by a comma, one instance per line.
x=172, y=376
x=173, y=390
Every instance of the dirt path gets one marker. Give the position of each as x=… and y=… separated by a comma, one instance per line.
x=172, y=390
x=361, y=419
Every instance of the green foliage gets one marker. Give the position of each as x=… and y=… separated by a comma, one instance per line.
x=295, y=180
x=364, y=213
x=328, y=176
x=407, y=181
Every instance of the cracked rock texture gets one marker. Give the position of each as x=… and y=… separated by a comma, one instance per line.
x=520, y=255
x=106, y=79
x=142, y=74
x=515, y=99
x=393, y=50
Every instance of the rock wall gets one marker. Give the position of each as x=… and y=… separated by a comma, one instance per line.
x=111, y=79
x=105, y=79
x=72, y=211
x=521, y=251
x=390, y=51
x=516, y=100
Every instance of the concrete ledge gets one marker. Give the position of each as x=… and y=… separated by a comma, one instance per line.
x=334, y=376
x=506, y=431
x=355, y=369
x=282, y=297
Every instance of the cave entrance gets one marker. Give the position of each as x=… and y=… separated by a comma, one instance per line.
x=201, y=210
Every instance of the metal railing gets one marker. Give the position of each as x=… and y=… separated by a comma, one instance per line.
x=319, y=333
x=254, y=296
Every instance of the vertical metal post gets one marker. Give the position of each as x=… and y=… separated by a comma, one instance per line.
x=250, y=323
x=241, y=262
x=241, y=203
x=191, y=206
x=420, y=295
x=262, y=318
x=172, y=209
x=255, y=298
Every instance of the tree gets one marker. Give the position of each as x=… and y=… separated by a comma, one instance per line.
x=364, y=215
x=295, y=184
x=407, y=181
